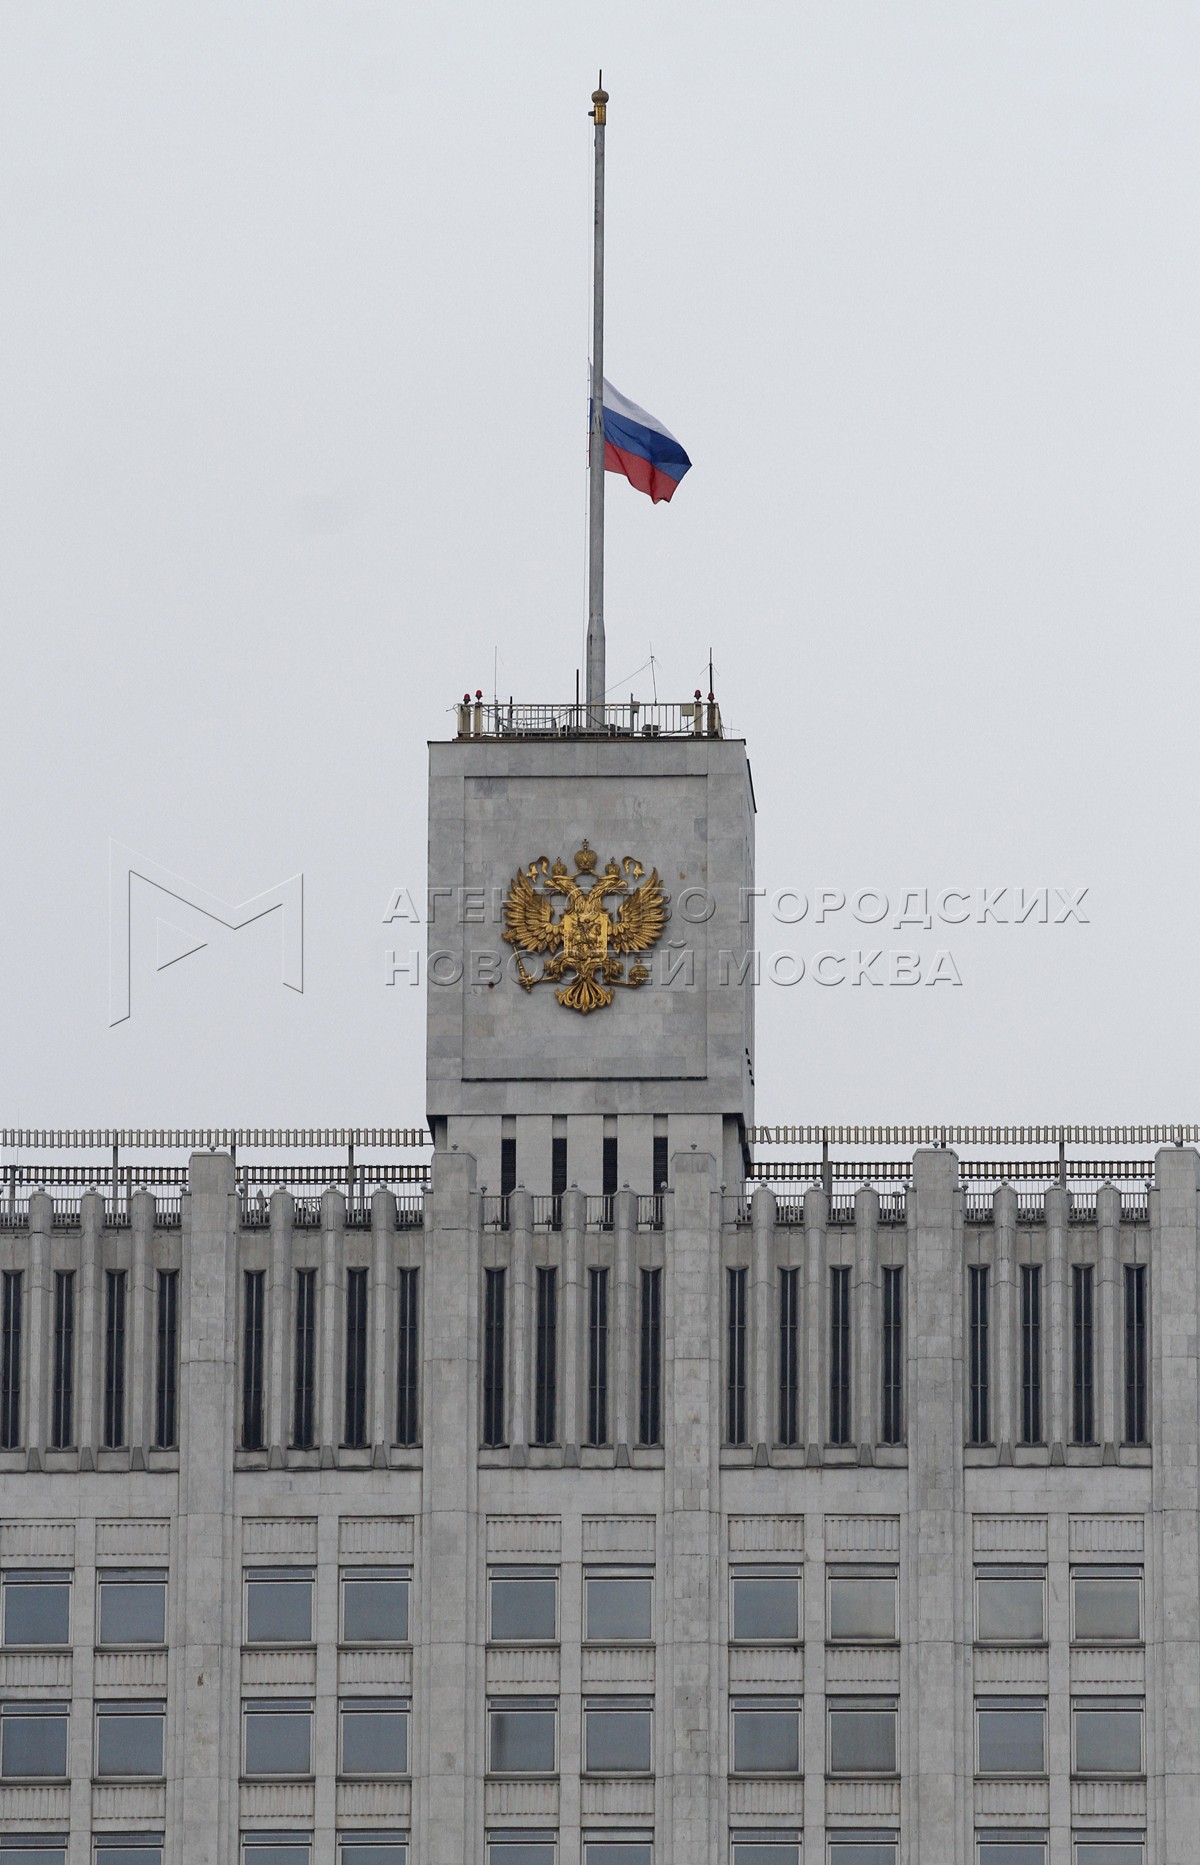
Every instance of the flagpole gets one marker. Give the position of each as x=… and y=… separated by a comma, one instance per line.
x=595, y=631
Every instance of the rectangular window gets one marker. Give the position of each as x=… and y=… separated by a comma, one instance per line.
x=789, y=1356
x=650, y=1359
x=375, y=1605
x=133, y=1606
x=892, y=1424
x=129, y=1740
x=37, y=1608
x=276, y=1849
x=1010, y=1735
x=863, y=1735
x=659, y=1178
x=608, y=1165
x=618, y=1608
x=863, y=1848
x=34, y=1849
x=839, y=1355
x=304, y=1366
x=1110, y=1849
x=545, y=1370
x=407, y=1361
x=277, y=1737
x=1083, y=1421
x=522, y=1735
x=1031, y=1353
x=764, y=1605
x=493, y=1356
x=522, y=1848
x=617, y=1735
x=508, y=1166
x=166, y=1366
x=558, y=1178
x=114, y=1358
x=33, y=1741
x=254, y=1286
x=1135, y=1354
x=62, y=1421
x=1010, y=1605
x=764, y=1846
x=356, y=1357
x=1107, y=1736
x=523, y=1605
x=374, y=1736
x=735, y=1366
x=863, y=1605
x=373, y=1849
x=597, y=1419
x=128, y=1849
x=10, y=1361
x=980, y=1424
x=279, y=1605
x=618, y=1849
x=1015, y=1848
x=1106, y=1605
x=764, y=1735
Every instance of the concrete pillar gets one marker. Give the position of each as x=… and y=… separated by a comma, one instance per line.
x=816, y=1309
x=624, y=1369
x=280, y=1300
x=1109, y=1422
x=763, y=1279
x=520, y=1357
x=87, y=1322
x=573, y=1222
x=139, y=1358
x=1056, y=1331
x=383, y=1321
x=34, y=1423
x=1003, y=1331
x=332, y=1361
x=865, y=1386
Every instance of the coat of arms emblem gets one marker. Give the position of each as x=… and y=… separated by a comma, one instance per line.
x=588, y=938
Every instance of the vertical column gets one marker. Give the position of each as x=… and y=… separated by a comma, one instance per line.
x=1058, y=1730
x=1108, y=1323
x=1002, y=1332
x=82, y=1731
x=37, y=1309
x=520, y=1218
x=816, y=1331
x=383, y=1322
x=573, y=1214
x=762, y=1307
x=325, y=1721
x=625, y=1317
x=1056, y=1344
x=865, y=1395
x=91, y=1234
x=812, y=1727
x=332, y=1343
x=140, y=1359
x=279, y=1308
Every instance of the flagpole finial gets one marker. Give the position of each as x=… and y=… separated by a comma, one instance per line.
x=599, y=110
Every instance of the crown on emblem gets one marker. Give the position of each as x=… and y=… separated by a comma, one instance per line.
x=585, y=858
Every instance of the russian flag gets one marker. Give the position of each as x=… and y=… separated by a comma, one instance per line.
x=640, y=447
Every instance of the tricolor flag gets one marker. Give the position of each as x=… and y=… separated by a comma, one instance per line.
x=640, y=447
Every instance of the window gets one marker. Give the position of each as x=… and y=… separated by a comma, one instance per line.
x=522, y=1736
x=493, y=1356
x=865, y=1848
x=33, y=1848
x=545, y=1372
x=10, y=1361
x=1106, y=1605
x=1031, y=1353
x=862, y=1735
x=356, y=1357
x=304, y=1384
x=375, y=1735
x=609, y=1170
x=764, y=1847
x=892, y=1423
x=166, y=1368
x=1015, y=1848
x=659, y=1168
x=133, y=1606
x=279, y=1603
x=764, y=1735
x=764, y=1605
x=558, y=1177
x=252, y=1360
x=277, y=1733
x=523, y=1605
x=1135, y=1354
x=650, y=1362
x=839, y=1355
x=617, y=1608
x=373, y=1849
x=863, y=1604
x=518, y=1848
x=276, y=1849
x=735, y=1369
x=597, y=1418
x=408, y=1365
x=1110, y=1849
x=1010, y=1735
x=37, y=1608
x=375, y=1606
x=617, y=1735
x=62, y=1420
x=33, y=1742
x=508, y=1165
x=1108, y=1735
x=1083, y=1421
x=979, y=1425
x=114, y=1358
x=129, y=1849
x=618, y=1849
x=789, y=1356
x=1010, y=1605
x=129, y=1739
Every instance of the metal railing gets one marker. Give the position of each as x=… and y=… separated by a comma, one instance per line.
x=634, y=718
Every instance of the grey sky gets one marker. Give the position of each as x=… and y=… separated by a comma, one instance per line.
x=293, y=360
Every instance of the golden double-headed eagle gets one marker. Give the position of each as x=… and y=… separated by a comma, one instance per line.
x=587, y=938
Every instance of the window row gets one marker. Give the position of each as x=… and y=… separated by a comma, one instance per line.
x=1107, y=1736
x=257, y=1849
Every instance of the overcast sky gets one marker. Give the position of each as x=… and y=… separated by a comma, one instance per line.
x=293, y=357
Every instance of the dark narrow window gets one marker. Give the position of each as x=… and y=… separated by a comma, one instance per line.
x=609, y=1177
x=114, y=1358
x=735, y=1370
x=597, y=1356
x=407, y=1364
x=10, y=1362
x=1083, y=1420
x=979, y=1355
x=558, y=1177
x=493, y=1357
x=892, y=1424
x=545, y=1368
x=508, y=1167
x=789, y=1356
x=650, y=1364
x=166, y=1367
x=304, y=1368
x=62, y=1423
x=356, y=1356
x=254, y=1284
x=659, y=1177
x=839, y=1355
x=1135, y=1354
x=1031, y=1353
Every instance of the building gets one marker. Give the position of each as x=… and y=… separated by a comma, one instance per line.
x=613, y=1500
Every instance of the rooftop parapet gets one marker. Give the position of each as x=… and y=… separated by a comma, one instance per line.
x=633, y=718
